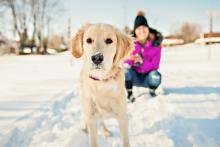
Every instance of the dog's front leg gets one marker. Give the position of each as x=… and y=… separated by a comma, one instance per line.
x=123, y=126
x=92, y=129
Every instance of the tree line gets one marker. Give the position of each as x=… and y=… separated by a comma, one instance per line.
x=31, y=20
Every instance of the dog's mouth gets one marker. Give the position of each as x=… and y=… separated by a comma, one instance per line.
x=97, y=67
x=98, y=71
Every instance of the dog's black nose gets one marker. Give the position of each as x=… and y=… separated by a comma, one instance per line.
x=97, y=58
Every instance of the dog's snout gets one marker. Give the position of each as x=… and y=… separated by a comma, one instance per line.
x=97, y=58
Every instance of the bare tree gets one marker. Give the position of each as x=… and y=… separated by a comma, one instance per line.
x=189, y=32
x=42, y=14
x=1, y=20
x=38, y=13
x=55, y=41
x=45, y=18
x=19, y=17
x=1, y=9
x=127, y=30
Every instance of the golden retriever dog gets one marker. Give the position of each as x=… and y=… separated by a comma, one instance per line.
x=102, y=81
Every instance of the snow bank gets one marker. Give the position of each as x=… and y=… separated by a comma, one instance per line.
x=187, y=114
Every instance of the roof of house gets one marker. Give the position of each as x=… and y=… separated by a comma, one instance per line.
x=208, y=35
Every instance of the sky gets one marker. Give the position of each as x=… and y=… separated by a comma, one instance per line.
x=164, y=15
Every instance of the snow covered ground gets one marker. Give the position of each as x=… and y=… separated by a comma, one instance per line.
x=40, y=107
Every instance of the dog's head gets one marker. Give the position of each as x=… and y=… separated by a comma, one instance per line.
x=102, y=46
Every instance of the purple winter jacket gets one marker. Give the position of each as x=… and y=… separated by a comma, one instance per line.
x=150, y=56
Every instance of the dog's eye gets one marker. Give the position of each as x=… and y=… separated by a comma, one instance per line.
x=108, y=41
x=89, y=40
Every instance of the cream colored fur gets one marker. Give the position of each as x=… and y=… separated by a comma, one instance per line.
x=105, y=98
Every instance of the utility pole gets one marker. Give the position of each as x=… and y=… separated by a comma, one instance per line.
x=210, y=15
x=69, y=31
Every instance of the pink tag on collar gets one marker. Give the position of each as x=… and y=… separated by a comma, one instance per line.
x=94, y=78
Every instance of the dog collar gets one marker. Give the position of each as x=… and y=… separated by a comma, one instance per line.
x=94, y=78
x=111, y=77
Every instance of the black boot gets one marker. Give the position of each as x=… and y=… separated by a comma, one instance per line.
x=152, y=91
x=129, y=85
x=130, y=97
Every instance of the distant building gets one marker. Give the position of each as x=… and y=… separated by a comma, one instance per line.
x=208, y=38
x=172, y=40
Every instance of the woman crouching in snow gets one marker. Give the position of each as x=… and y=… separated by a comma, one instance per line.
x=145, y=58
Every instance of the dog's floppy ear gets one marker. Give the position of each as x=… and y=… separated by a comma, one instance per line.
x=77, y=42
x=124, y=46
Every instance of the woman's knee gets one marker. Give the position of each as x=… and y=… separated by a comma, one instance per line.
x=154, y=79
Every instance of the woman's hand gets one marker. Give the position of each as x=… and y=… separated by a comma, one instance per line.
x=126, y=66
x=137, y=60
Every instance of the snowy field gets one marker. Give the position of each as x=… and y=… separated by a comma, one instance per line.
x=40, y=107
